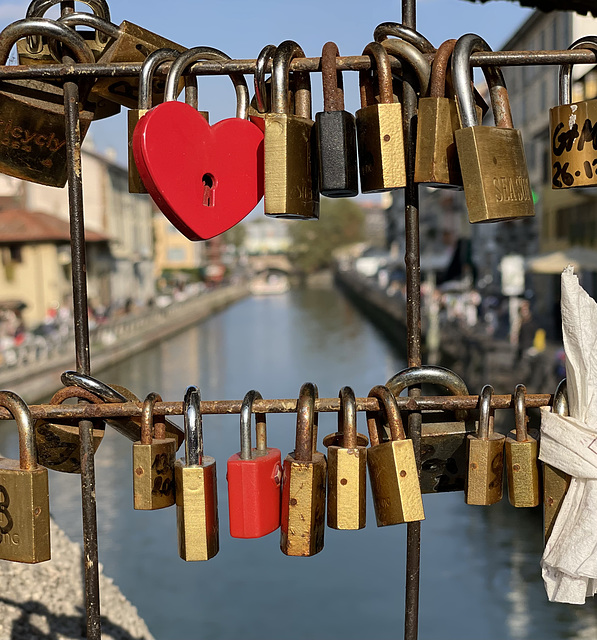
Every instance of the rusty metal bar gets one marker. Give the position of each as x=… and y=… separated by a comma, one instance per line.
x=344, y=63
x=282, y=405
x=413, y=320
x=81, y=329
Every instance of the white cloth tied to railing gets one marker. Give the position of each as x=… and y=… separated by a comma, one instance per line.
x=569, y=443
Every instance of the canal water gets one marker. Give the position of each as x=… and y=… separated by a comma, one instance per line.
x=480, y=565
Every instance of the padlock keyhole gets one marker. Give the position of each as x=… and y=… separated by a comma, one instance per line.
x=208, y=190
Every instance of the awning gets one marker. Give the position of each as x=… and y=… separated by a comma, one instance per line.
x=554, y=263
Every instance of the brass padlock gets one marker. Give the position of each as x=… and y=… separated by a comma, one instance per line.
x=291, y=189
x=555, y=481
x=128, y=427
x=485, y=479
x=32, y=123
x=379, y=128
x=392, y=466
x=36, y=50
x=58, y=441
x=196, y=489
x=572, y=132
x=522, y=462
x=443, y=433
x=133, y=44
x=347, y=468
x=492, y=160
x=24, y=497
x=436, y=160
x=303, y=484
x=152, y=62
x=153, y=462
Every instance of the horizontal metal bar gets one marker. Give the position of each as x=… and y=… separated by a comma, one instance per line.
x=345, y=63
x=226, y=407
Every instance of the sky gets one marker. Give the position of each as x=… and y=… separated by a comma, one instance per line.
x=241, y=28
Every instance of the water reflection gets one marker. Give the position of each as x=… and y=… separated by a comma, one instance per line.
x=480, y=566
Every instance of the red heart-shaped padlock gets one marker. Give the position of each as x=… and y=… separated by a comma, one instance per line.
x=205, y=179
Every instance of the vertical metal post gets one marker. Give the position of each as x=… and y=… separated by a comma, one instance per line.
x=413, y=324
x=81, y=329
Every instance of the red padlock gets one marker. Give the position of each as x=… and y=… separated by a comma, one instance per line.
x=204, y=178
x=254, y=479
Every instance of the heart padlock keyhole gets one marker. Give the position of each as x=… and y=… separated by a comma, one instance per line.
x=208, y=190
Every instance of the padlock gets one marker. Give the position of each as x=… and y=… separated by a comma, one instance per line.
x=32, y=122
x=291, y=189
x=522, y=462
x=392, y=466
x=379, y=128
x=58, y=441
x=36, y=50
x=130, y=43
x=261, y=102
x=153, y=462
x=443, y=433
x=485, y=479
x=196, y=489
x=336, y=135
x=24, y=497
x=128, y=427
x=204, y=178
x=254, y=479
x=347, y=468
x=151, y=63
x=303, y=484
x=555, y=481
x=492, y=160
x=436, y=160
x=572, y=129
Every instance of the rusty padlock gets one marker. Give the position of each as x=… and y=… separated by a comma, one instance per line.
x=58, y=441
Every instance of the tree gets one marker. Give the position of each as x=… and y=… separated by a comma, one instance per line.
x=340, y=223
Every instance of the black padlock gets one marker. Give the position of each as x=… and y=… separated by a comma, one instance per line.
x=336, y=133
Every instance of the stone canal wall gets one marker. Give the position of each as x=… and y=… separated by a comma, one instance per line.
x=36, y=372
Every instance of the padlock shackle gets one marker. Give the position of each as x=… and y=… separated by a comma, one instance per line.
x=148, y=68
x=101, y=27
x=408, y=53
x=186, y=59
x=439, y=69
x=462, y=79
x=147, y=420
x=379, y=56
x=285, y=53
x=565, y=92
x=261, y=97
x=485, y=412
x=193, y=427
x=245, y=426
x=66, y=393
x=386, y=29
x=389, y=410
x=347, y=418
x=520, y=413
x=44, y=27
x=306, y=423
x=331, y=78
x=19, y=410
x=93, y=385
x=560, y=399
x=429, y=374
x=38, y=8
